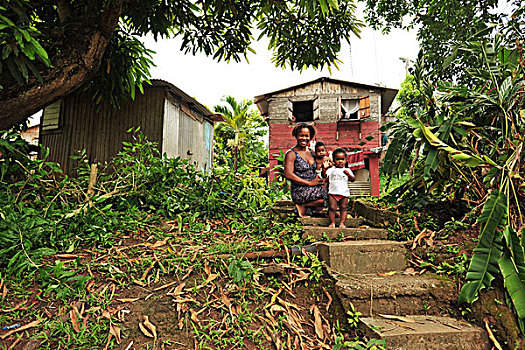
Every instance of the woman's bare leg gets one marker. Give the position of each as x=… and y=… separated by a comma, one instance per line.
x=332, y=208
x=301, y=210
x=343, y=205
x=317, y=203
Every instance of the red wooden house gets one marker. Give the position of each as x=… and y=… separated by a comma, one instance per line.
x=345, y=114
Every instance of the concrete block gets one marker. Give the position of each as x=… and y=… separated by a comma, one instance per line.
x=426, y=332
x=318, y=233
x=313, y=221
x=373, y=216
x=361, y=257
x=397, y=294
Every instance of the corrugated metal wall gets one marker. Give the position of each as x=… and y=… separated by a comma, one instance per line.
x=186, y=137
x=162, y=118
x=170, y=134
x=208, y=139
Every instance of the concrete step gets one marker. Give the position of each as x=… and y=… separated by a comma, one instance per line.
x=284, y=203
x=350, y=221
x=426, y=332
x=397, y=294
x=361, y=257
x=318, y=233
x=374, y=216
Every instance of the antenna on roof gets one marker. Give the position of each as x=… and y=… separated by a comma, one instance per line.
x=350, y=60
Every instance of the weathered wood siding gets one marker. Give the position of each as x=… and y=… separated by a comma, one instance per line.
x=101, y=132
x=281, y=136
x=328, y=96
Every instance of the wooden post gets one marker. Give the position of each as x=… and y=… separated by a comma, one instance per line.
x=92, y=179
x=373, y=162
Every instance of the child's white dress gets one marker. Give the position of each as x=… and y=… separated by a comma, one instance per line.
x=338, y=181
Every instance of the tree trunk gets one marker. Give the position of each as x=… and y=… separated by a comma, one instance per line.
x=414, y=161
x=235, y=153
x=77, y=61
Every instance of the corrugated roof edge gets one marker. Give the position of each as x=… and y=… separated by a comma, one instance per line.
x=184, y=96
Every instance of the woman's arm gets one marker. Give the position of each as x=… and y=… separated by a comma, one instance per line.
x=289, y=160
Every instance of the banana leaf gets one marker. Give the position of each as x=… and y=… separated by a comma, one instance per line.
x=471, y=160
x=512, y=265
x=513, y=283
x=484, y=265
x=516, y=249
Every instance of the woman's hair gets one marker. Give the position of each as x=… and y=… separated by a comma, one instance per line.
x=300, y=126
x=319, y=144
x=338, y=150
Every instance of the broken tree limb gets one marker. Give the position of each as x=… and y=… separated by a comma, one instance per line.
x=92, y=179
x=267, y=254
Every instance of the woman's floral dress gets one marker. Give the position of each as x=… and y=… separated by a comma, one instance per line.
x=303, y=193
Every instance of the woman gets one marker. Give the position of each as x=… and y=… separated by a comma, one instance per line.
x=300, y=169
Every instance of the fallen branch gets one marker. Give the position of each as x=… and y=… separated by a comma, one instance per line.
x=23, y=328
x=491, y=335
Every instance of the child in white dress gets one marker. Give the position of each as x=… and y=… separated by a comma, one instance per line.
x=338, y=191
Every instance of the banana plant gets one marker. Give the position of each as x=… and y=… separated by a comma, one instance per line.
x=478, y=134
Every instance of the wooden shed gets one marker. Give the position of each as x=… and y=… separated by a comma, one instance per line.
x=180, y=125
x=345, y=114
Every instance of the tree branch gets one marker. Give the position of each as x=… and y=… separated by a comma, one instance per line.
x=75, y=64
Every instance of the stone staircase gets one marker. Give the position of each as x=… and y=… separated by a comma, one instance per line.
x=410, y=311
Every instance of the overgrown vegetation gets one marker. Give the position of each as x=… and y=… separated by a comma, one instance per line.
x=239, y=139
x=151, y=251
x=464, y=143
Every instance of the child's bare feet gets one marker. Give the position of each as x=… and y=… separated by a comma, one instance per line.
x=342, y=226
x=331, y=225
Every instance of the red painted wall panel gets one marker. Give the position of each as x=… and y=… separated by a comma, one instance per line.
x=344, y=135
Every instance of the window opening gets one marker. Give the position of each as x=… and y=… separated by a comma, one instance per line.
x=51, y=117
x=349, y=109
x=303, y=111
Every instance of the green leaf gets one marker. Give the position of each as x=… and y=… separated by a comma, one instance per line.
x=467, y=159
x=39, y=50
x=513, y=284
x=448, y=60
x=484, y=264
x=432, y=161
x=516, y=249
x=504, y=88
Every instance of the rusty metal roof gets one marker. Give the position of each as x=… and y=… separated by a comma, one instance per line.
x=187, y=98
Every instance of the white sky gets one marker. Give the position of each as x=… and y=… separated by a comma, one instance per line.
x=374, y=59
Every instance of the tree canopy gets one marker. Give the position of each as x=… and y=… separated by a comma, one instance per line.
x=52, y=48
x=442, y=26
